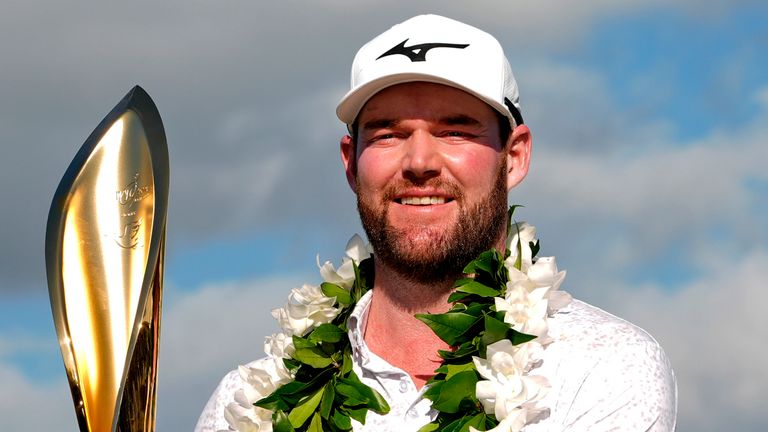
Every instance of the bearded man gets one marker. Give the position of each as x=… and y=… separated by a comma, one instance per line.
x=436, y=140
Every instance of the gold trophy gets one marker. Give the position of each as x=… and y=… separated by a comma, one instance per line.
x=104, y=250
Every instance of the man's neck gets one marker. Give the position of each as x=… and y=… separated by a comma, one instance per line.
x=392, y=331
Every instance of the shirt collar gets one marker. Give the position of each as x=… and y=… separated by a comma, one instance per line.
x=356, y=323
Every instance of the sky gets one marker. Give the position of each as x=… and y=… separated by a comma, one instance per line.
x=648, y=179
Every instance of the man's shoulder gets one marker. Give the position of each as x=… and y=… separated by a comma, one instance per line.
x=604, y=369
x=212, y=417
x=588, y=338
x=587, y=327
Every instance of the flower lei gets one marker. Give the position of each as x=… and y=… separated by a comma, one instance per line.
x=497, y=328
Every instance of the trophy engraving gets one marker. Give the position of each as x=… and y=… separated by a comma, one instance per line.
x=129, y=197
x=105, y=244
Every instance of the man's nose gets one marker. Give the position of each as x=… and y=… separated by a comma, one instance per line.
x=422, y=157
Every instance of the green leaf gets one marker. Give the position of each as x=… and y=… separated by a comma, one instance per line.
x=333, y=290
x=300, y=342
x=477, y=310
x=280, y=422
x=291, y=364
x=495, y=330
x=346, y=362
x=328, y=395
x=466, y=349
x=352, y=396
x=463, y=423
x=314, y=357
x=284, y=397
x=316, y=425
x=463, y=281
x=477, y=422
x=534, y=248
x=479, y=289
x=356, y=413
x=342, y=421
x=289, y=395
x=452, y=369
x=518, y=338
x=483, y=263
x=456, y=296
x=299, y=415
x=519, y=259
x=374, y=400
x=433, y=391
x=359, y=286
x=326, y=333
x=461, y=386
x=510, y=213
x=429, y=427
x=448, y=326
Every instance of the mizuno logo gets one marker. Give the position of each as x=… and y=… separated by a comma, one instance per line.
x=418, y=53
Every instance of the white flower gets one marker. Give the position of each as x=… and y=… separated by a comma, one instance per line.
x=526, y=233
x=544, y=274
x=306, y=308
x=525, y=307
x=261, y=379
x=356, y=251
x=532, y=296
x=506, y=388
x=243, y=417
x=264, y=377
x=279, y=345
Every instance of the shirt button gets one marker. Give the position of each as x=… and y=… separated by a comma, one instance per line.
x=403, y=386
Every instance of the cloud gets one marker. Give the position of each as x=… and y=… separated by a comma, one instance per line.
x=713, y=331
x=616, y=215
x=207, y=333
x=204, y=334
x=247, y=95
x=22, y=402
x=241, y=88
x=638, y=197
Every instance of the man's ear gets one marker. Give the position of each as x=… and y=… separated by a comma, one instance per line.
x=519, y=144
x=349, y=159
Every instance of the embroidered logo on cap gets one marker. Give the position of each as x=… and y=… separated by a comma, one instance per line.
x=418, y=53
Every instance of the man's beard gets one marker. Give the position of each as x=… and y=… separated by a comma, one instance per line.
x=444, y=257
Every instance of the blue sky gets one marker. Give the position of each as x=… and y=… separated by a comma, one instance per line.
x=648, y=179
x=699, y=72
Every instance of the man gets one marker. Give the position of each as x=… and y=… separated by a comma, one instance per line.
x=436, y=140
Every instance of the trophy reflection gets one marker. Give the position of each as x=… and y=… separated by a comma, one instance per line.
x=104, y=252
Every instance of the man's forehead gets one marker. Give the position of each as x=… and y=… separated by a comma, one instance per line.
x=390, y=122
x=436, y=102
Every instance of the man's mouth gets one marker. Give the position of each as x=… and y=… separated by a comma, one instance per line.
x=422, y=201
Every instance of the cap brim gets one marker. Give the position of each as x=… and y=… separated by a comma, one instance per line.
x=350, y=105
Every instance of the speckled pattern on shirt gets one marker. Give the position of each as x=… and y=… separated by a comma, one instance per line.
x=606, y=375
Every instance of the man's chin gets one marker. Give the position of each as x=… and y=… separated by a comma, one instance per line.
x=421, y=255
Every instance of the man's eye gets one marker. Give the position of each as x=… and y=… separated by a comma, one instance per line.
x=459, y=134
x=382, y=137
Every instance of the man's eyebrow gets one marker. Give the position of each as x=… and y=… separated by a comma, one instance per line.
x=380, y=124
x=460, y=120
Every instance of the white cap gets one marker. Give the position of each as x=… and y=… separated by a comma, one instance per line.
x=434, y=49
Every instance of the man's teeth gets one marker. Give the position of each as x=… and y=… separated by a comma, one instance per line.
x=422, y=200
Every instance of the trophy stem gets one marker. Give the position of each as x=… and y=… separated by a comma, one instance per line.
x=137, y=404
